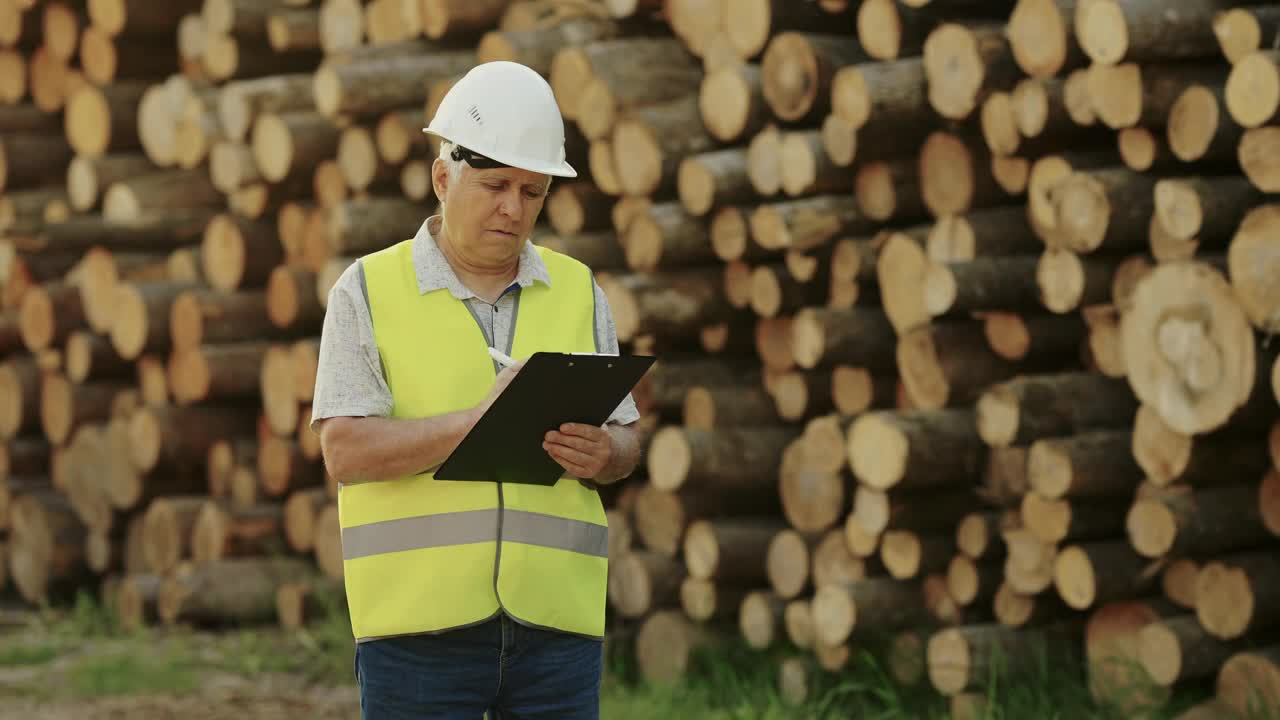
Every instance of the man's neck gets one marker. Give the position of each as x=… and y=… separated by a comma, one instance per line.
x=487, y=283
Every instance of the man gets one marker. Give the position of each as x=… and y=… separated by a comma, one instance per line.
x=470, y=597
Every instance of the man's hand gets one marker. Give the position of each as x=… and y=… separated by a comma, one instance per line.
x=583, y=450
x=500, y=383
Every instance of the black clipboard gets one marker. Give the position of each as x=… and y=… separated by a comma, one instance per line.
x=550, y=390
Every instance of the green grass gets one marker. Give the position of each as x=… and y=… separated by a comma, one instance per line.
x=730, y=683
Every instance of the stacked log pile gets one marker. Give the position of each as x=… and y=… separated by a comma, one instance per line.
x=963, y=311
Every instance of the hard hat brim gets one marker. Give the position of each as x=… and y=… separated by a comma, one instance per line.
x=561, y=169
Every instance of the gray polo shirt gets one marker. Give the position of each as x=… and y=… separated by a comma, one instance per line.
x=350, y=379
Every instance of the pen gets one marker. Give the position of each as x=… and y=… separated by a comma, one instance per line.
x=502, y=359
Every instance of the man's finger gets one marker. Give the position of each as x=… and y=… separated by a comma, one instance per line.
x=590, y=432
x=573, y=468
x=572, y=441
x=571, y=454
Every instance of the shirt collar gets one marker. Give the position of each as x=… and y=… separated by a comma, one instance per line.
x=435, y=273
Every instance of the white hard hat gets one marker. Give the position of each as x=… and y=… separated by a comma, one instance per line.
x=506, y=112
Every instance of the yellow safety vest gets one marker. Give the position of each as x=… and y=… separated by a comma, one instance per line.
x=423, y=555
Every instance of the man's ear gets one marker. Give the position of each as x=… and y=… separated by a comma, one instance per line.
x=440, y=178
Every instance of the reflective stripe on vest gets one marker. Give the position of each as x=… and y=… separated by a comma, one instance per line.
x=424, y=555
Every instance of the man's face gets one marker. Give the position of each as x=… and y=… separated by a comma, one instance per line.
x=491, y=212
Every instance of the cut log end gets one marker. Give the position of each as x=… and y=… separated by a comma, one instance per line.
x=1253, y=89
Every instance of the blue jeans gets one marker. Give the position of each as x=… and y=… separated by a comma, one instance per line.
x=509, y=670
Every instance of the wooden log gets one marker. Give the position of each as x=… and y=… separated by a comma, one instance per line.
x=664, y=236
x=1042, y=37
x=28, y=160
x=102, y=119
x=363, y=225
x=813, y=498
x=373, y=85
x=222, y=532
x=536, y=47
x=760, y=618
x=805, y=167
x=677, y=456
x=806, y=223
x=202, y=317
x=1094, y=573
x=878, y=511
x=644, y=581
x=1108, y=208
x=968, y=581
x=171, y=436
x=1256, y=154
x=1020, y=337
x=617, y=88
x=787, y=561
x=1167, y=456
x=713, y=179
x=889, y=191
x=964, y=63
x=992, y=283
x=1249, y=261
x=241, y=102
x=1110, y=32
x=1093, y=464
x=856, y=336
x=1235, y=594
x=225, y=371
x=917, y=448
x=650, y=142
x=1054, y=522
x=48, y=315
x=132, y=199
x=960, y=658
x=966, y=168
x=731, y=102
x=65, y=407
x=672, y=304
x=797, y=71
x=1248, y=680
x=291, y=141
x=1129, y=95
x=1032, y=407
x=1209, y=520
x=946, y=365
x=228, y=591
x=882, y=603
x=46, y=547
x=1197, y=129
x=729, y=551
x=1243, y=30
x=1176, y=353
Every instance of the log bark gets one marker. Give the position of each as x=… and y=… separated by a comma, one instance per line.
x=1132, y=95
x=1094, y=573
x=1185, y=377
x=960, y=658
x=28, y=160
x=807, y=223
x=882, y=603
x=238, y=253
x=665, y=237
x=290, y=142
x=649, y=143
x=1033, y=407
x=889, y=191
x=721, y=459
x=1237, y=594
x=1093, y=464
x=65, y=407
x=373, y=85
x=993, y=283
x=172, y=436
x=714, y=179
x=947, y=365
x=202, y=317
x=1023, y=337
x=229, y=591
x=797, y=71
x=224, y=371
x=964, y=63
x=574, y=65
x=1108, y=209
x=1167, y=456
x=918, y=448
x=856, y=336
x=615, y=89
x=729, y=551
x=1054, y=522
x=102, y=119
x=364, y=225
x=1110, y=32
x=673, y=305
x=805, y=167
x=133, y=199
x=1206, y=521
x=536, y=47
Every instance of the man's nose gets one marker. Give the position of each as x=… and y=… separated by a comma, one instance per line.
x=511, y=205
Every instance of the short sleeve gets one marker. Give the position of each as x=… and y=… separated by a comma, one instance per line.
x=607, y=342
x=349, y=376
